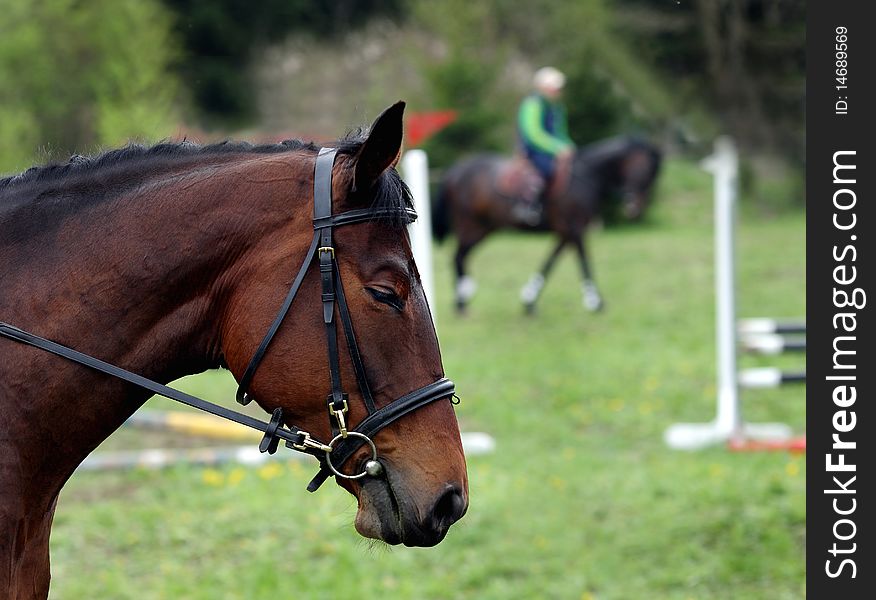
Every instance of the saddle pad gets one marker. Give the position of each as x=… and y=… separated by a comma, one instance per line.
x=517, y=179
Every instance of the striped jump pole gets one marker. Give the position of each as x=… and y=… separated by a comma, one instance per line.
x=770, y=326
x=768, y=377
x=159, y=458
x=772, y=343
x=208, y=426
x=728, y=423
x=193, y=424
x=473, y=444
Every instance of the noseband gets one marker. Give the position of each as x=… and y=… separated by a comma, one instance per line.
x=345, y=441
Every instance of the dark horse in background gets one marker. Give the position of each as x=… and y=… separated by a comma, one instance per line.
x=471, y=202
x=174, y=259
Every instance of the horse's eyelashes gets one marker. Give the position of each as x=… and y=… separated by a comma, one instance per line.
x=387, y=297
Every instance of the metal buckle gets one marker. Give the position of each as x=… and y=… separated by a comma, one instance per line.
x=308, y=443
x=339, y=416
x=328, y=249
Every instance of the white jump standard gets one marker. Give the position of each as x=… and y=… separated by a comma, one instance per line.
x=728, y=424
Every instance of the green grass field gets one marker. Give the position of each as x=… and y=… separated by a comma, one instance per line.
x=581, y=500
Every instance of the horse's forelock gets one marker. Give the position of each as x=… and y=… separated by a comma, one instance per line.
x=391, y=192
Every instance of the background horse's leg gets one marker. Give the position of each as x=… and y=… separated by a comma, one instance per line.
x=592, y=298
x=531, y=291
x=465, y=285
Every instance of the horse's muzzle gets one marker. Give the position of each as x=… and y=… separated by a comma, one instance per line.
x=447, y=510
x=389, y=514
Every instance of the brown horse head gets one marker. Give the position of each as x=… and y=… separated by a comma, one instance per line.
x=637, y=171
x=176, y=258
x=424, y=488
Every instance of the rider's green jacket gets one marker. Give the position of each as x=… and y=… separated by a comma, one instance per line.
x=542, y=125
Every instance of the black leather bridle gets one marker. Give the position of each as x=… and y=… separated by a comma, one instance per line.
x=346, y=441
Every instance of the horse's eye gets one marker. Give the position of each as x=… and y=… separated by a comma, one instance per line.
x=388, y=297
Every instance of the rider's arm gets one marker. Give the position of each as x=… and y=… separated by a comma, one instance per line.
x=562, y=125
x=530, y=119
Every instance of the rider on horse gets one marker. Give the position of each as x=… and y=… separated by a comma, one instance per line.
x=543, y=130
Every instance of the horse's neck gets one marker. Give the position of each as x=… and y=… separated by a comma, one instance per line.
x=99, y=287
x=140, y=285
x=593, y=176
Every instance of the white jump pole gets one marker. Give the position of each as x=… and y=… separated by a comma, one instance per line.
x=728, y=423
x=415, y=170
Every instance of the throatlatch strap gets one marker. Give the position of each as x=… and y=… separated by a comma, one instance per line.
x=246, y=380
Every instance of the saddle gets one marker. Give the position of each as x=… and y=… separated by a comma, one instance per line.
x=516, y=179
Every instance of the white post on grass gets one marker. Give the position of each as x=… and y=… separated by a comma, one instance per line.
x=415, y=170
x=728, y=423
x=724, y=166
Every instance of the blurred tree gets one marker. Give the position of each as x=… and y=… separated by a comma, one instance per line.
x=220, y=37
x=77, y=75
x=595, y=109
x=743, y=59
x=466, y=78
x=618, y=91
x=464, y=84
x=494, y=47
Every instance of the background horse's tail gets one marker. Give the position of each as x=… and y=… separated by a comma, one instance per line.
x=441, y=211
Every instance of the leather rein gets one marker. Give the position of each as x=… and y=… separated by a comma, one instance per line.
x=346, y=441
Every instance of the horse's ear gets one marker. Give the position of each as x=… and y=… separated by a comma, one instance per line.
x=382, y=148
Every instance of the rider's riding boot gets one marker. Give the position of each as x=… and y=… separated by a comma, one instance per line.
x=527, y=211
x=528, y=207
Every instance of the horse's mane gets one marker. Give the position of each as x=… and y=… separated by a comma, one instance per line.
x=140, y=155
x=137, y=162
x=612, y=149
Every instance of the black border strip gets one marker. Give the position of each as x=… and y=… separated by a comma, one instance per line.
x=840, y=120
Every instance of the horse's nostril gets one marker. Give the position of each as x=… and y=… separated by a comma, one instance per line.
x=448, y=509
